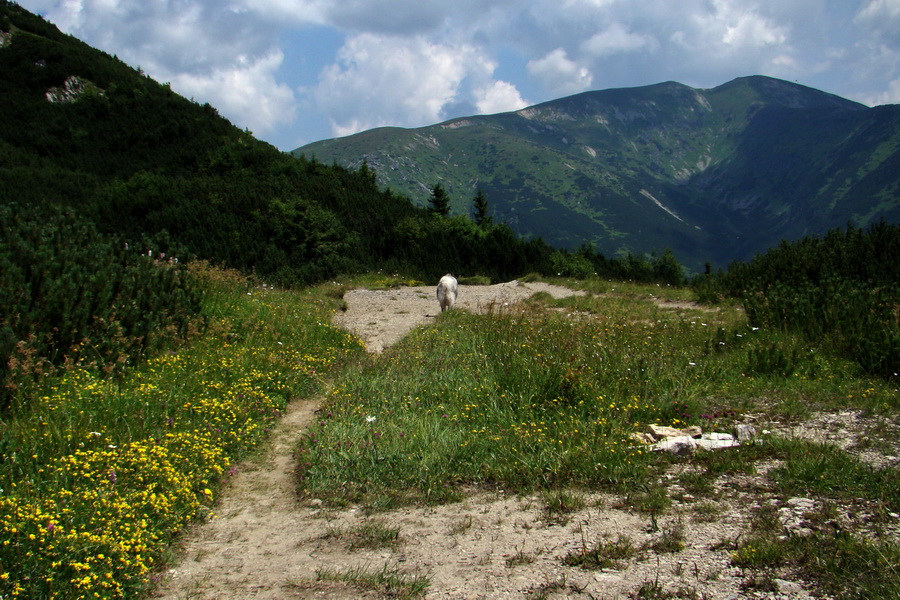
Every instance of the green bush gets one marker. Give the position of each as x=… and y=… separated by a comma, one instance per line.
x=70, y=295
x=841, y=291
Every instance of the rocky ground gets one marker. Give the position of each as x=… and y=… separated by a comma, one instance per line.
x=264, y=543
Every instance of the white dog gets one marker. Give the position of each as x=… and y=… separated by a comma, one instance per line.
x=446, y=291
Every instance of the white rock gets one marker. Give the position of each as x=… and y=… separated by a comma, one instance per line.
x=715, y=441
x=679, y=446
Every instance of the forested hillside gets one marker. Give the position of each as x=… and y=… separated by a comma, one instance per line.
x=81, y=129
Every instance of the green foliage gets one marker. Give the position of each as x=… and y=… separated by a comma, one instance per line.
x=71, y=296
x=658, y=268
x=527, y=401
x=439, y=201
x=772, y=360
x=135, y=159
x=390, y=582
x=841, y=291
x=842, y=563
x=604, y=554
x=567, y=264
x=480, y=209
x=429, y=247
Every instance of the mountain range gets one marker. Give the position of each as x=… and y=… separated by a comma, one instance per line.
x=715, y=175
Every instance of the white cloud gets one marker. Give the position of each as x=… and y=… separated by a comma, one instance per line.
x=246, y=93
x=617, y=39
x=384, y=80
x=879, y=11
x=737, y=26
x=891, y=95
x=557, y=72
x=749, y=30
x=205, y=49
x=387, y=17
x=501, y=96
x=880, y=19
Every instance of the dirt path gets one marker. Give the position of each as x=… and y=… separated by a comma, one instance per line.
x=381, y=317
x=265, y=544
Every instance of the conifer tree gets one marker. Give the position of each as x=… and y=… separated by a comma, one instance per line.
x=439, y=203
x=480, y=209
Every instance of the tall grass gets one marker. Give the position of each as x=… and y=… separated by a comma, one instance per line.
x=542, y=398
x=545, y=397
x=98, y=475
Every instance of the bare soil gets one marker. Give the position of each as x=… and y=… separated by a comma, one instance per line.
x=265, y=543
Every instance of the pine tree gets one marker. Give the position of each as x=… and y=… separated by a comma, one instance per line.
x=480, y=209
x=439, y=203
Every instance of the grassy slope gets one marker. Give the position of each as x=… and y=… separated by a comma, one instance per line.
x=543, y=399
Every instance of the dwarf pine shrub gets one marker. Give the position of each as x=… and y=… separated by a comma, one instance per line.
x=841, y=291
x=70, y=295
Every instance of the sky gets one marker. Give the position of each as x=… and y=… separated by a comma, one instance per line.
x=298, y=71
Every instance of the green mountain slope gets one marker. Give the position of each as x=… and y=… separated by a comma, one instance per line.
x=714, y=174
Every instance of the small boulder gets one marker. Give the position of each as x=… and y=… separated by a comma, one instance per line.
x=744, y=432
x=683, y=445
x=662, y=431
x=715, y=441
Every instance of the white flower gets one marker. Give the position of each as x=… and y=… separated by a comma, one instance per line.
x=370, y=419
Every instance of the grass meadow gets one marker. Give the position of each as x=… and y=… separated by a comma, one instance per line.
x=543, y=398
x=98, y=476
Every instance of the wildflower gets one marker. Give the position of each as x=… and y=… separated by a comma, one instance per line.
x=370, y=419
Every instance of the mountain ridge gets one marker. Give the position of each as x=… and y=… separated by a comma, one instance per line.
x=658, y=166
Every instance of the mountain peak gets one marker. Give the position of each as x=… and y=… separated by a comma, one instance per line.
x=769, y=90
x=712, y=174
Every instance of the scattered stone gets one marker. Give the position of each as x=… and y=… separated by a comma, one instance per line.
x=660, y=432
x=793, y=515
x=744, y=432
x=805, y=504
x=788, y=588
x=715, y=441
x=683, y=445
